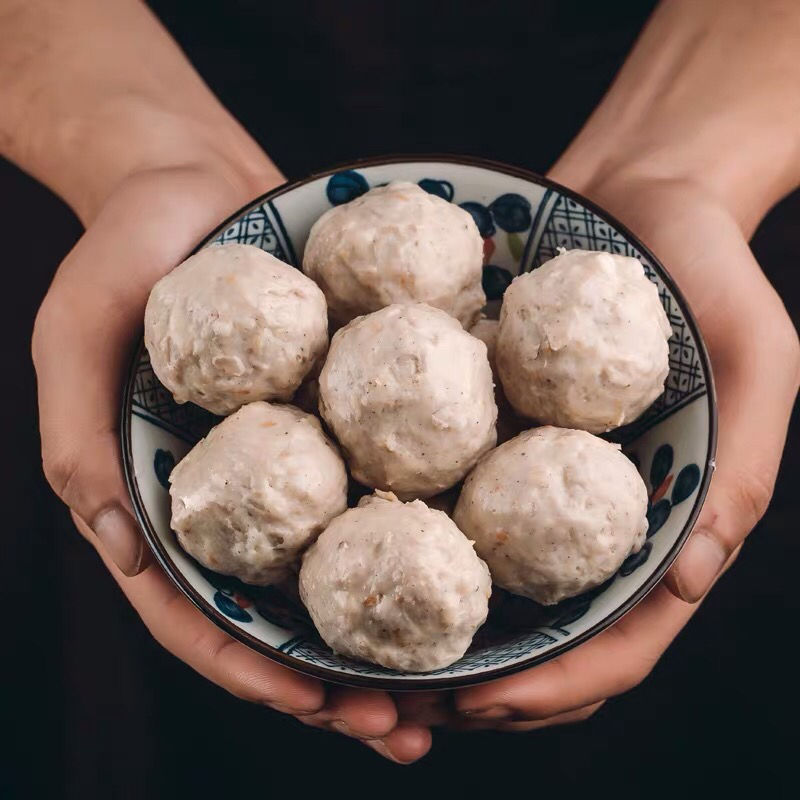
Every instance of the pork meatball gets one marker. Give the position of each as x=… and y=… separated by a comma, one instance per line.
x=583, y=341
x=396, y=584
x=233, y=324
x=397, y=244
x=408, y=394
x=252, y=495
x=553, y=512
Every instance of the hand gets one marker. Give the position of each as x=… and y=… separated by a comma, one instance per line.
x=81, y=345
x=756, y=360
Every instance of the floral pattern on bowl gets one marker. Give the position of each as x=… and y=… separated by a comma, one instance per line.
x=523, y=219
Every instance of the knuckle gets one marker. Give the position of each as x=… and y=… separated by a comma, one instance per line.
x=751, y=494
x=44, y=325
x=61, y=471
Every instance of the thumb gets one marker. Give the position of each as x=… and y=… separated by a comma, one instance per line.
x=757, y=380
x=82, y=340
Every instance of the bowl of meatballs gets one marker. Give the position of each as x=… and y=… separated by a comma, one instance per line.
x=418, y=422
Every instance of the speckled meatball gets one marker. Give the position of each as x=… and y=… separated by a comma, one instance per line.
x=232, y=324
x=396, y=584
x=397, y=244
x=583, y=341
x=408, y=394
x=553, y=512
x=252, y=495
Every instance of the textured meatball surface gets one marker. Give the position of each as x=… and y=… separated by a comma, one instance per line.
x=408, y=394
x=233, y=324
x=252, y=495
x=583, y=341
x=397, y=244
x=553, y=512
x=395, y=584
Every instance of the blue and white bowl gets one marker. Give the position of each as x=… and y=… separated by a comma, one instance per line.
x=523, y=218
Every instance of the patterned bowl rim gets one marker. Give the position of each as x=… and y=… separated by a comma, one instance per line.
x=423, y=683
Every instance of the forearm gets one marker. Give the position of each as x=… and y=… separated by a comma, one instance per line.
x=710, y=95
x=95, y=91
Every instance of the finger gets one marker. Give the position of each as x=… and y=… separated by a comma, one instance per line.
x=567, y=718
x=180, y=628
x=82, y=342
x=360, y=713
x=424, y=708
x=757, y=380
x=405, y=744
x=609, y=664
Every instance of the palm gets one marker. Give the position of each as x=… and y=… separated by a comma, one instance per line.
x=751, y=347
x=81, y=344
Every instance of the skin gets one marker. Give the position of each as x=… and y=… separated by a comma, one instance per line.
x=696, y=140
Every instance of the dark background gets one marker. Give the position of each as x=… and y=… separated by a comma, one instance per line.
x=93, y=708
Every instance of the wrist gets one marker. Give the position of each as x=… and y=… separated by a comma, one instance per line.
x=745, y=176
x=84, y=157
x=708, y=98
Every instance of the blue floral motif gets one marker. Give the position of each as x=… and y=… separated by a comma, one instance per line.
x=443, y=189
x=163, y=462
x=685, y=483
x=495, y=281
x=228, y=606
x=482, y=217
x=662, y=464
x=635, y=560
x=657, y=515
x=512, y=213
x=659, y=506
x=345, y=186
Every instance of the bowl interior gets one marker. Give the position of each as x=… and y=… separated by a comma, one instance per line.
x=523, y=219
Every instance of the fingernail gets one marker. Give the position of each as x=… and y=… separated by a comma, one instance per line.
x=700, y=562
x=120, y=536
x=493, y=712
x=379, y=746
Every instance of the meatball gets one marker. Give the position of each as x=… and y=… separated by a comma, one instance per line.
x=408, y=394
x=253, y=494
x=233, y=324
x=396, y=584
x=397, y=244
x=553, y=512
x=583, y=341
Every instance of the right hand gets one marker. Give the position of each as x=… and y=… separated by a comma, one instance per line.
x=81, y=345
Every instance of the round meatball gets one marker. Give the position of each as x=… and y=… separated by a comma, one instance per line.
x=232, y=324
x=397, y=244
x=583, y=341
x=252, y=495
x=408, y=394
x=396, y=584
x=553, y=512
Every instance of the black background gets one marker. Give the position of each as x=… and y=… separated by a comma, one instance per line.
x=94, y=708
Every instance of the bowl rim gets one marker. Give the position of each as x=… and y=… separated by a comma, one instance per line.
x=470, y=678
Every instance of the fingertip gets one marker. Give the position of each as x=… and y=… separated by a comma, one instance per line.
x=360, y=713
x=404, y=745
x=367, y=713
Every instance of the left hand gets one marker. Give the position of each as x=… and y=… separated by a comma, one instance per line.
x=756, y=360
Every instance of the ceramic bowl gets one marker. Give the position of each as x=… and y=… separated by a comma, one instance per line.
x=522, y=218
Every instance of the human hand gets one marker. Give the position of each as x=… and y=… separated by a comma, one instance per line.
x=689, y=149
x=756, y=361
x=81, y=346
